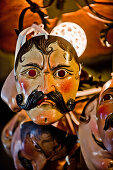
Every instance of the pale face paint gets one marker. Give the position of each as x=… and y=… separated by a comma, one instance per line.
x=46, y=73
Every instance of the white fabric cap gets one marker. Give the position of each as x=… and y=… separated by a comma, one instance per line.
x=72, y=33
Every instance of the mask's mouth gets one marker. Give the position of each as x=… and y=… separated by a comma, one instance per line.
x=100, y=143
x=45, y=101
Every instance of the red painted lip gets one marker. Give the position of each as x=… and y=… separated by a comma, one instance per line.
x=45, y=100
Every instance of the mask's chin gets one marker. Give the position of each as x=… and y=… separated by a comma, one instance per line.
x=44, y=115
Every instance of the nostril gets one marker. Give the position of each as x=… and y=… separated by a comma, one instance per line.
x=53, y=86
x=46, y=120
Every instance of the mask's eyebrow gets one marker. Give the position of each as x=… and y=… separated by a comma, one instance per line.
x=33, y=65
x=59, y=66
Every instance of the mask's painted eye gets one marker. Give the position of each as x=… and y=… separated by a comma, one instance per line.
x=62, y=73
x=32, y=73
x=107, y=97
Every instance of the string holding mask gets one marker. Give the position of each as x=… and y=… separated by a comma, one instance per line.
x=34, y=8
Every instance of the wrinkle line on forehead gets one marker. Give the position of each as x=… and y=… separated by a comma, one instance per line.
x=48, y=57
x=33, y=64
x=59, y=66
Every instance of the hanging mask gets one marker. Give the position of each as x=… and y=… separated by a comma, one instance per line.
x=105, y=115
x=47, y=75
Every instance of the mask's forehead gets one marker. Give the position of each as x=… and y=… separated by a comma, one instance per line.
x=44, y=46
x=34, y=53
x=57, y=56
x=62, y=57
x=33, y=56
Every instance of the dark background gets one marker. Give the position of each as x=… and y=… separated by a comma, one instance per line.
x=6, y=163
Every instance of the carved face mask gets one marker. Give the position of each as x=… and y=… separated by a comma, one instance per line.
x=47, y=78
x=105, y=115
x=40, y=147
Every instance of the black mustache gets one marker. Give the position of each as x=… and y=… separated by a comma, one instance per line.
x=32, y=100
x=108, y=122
x=55, y=96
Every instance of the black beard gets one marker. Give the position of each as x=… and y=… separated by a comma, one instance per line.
x=108, y=122
x=55, y=96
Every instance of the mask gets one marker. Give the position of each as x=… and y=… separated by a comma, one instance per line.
x=41, y=147
x=47, y=78
x=105, y=115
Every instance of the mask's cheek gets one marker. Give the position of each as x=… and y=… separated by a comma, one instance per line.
x=104, y=110
x=68, y=88
x=32, y=153
x=28, y=148
x=23, y=86
x=106, y=135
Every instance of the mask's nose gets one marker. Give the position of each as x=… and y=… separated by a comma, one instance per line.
x=48, y=83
